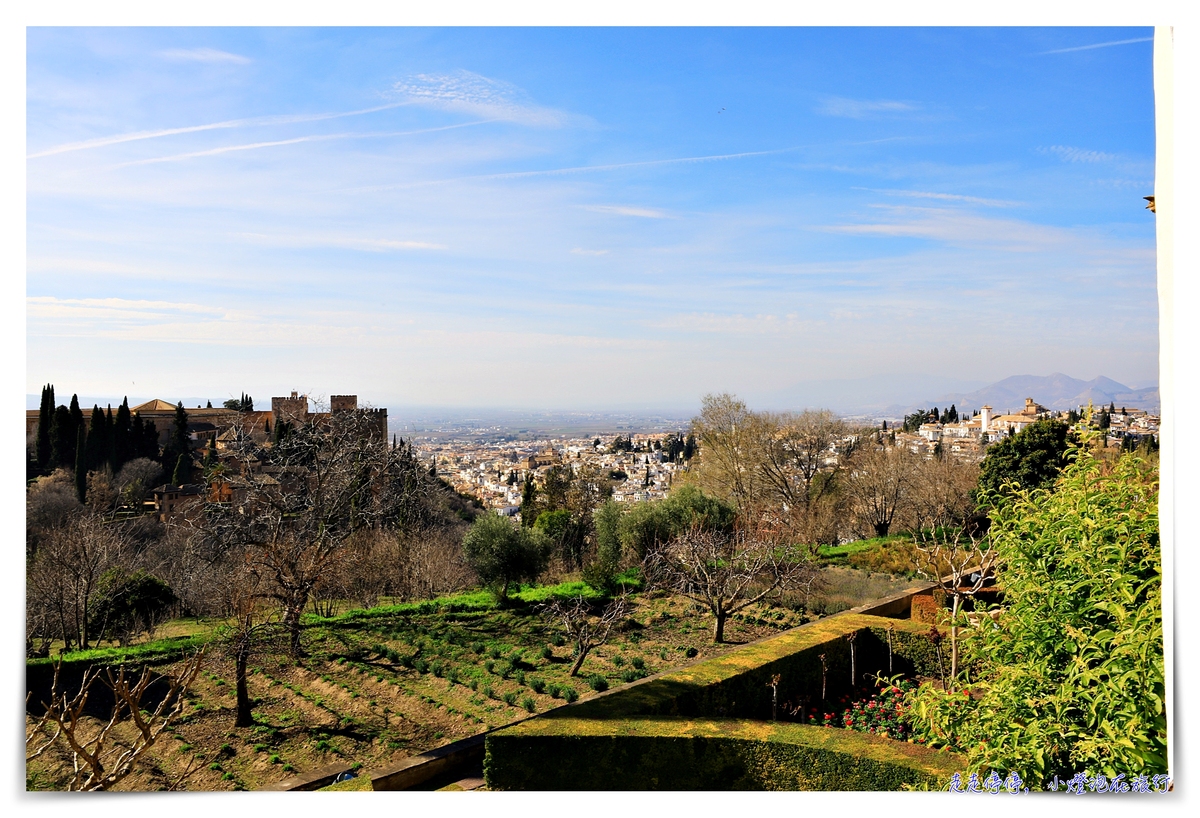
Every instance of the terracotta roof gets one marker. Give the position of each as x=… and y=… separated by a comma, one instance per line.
x=155, y=405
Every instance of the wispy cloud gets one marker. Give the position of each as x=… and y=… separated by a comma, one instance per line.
x=480, y=96
x=1098, y=45
x=622, y=210
x=135, y=136
x=951, y=197
x=864, y=108
x=348, y=242
x=211, y=55
x=577, y=169
x=579, y=251
x=739, y=324
x=178, y=157
x=961, y=228
x=1068, y=154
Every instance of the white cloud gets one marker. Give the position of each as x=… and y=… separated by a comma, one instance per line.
x=1068, y=154
x=621, y=210
x=864, y=108
x=203, y=55
x=480, y=96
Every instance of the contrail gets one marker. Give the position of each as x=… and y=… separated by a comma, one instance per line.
x=232, y=123
x=1098, y=45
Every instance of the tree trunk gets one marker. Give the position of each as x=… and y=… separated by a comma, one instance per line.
x=719, y=626
x=954, y=640
x=245, y=717
x=292, y=619
x=581, y=654
x=881, y=528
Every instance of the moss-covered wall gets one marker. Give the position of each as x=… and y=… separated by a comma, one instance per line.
x=736, y=685
x=706, y=754
x=705, y=726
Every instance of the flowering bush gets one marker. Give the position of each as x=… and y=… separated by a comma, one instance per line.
x=882, y=714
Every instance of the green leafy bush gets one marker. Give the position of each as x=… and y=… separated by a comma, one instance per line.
x=510, y=698
x=638, y=662
x=1070, y=676
x=528, y=704
x=537, y=685
x=570, y=694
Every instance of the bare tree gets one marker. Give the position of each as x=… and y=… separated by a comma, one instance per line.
x=64, y=576
x=251, y=631
x=731, y=439
x=586, y=628
x=879, y=483
x=99, y=758
x=727, y=572
x=300, y=501
x=960, y=561
x=799, y=447
x=49, y=503
x=941, y=491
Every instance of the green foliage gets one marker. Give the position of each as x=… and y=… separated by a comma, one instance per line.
x=129, y=602
x=684, y=754
x=1030, y=459
x=597, y=682
x=647, y=526
x=606, y=522
x=503, y=554
x=1071, y=678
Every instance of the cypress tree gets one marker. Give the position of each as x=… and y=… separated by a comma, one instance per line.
x=183, y=470
x=97, y=451
x=45, y=418
x=80, y=463
x=62, y=439
x=77, y=414
x=122, y=443
x=149, y=440
x=178, y=443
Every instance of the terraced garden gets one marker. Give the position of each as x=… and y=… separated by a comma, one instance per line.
x=380, y=685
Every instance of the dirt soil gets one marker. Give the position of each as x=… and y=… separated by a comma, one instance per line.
x=376, y=690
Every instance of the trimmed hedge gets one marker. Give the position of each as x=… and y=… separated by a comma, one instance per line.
x=724, y=754
x=691, y=728
x=735, y=685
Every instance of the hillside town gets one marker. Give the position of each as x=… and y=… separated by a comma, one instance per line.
x=643, y=467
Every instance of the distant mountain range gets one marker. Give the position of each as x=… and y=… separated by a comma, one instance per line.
x=1058, y=391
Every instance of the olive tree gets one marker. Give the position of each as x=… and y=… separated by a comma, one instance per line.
x=503, y=553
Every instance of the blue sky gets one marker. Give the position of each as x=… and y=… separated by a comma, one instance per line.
x=585, y=218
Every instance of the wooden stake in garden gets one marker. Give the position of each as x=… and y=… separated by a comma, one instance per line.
x=850, y=637
x=774, y=685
